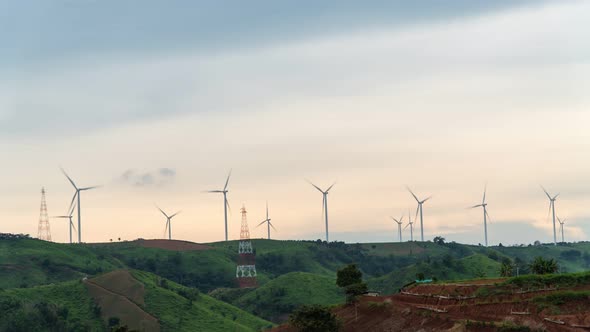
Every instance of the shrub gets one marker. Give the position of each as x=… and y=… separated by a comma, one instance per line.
x=314, y=318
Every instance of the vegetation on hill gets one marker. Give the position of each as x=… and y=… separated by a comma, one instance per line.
x=291, y=273
x=276, y=299
x=61, y=307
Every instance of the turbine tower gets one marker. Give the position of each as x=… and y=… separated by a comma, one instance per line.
x=71, y=224
x=552, y=209
x=225, y=202
x=168, y=222
x=44, y=231
x=77, y=194
x=399, y=226
x=419, y=209
x=561, y=223
x=324, y=205
x=268, y=223
x=486, y=216
x=411, y=225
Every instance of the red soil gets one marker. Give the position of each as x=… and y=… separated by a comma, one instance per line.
x=173, y=245
x=425, y=311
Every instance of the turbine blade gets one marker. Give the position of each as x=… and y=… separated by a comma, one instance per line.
x=90, y=188
x=555, y=197
x=407, y=225
x=417, y=210
x=164, y=213
x=475, y=206
x=166, y=228
x=318, y=188
x=69, y=178
x=484, y=194
x=424, y=201
x=546, y=193
x=73, y=225
x=262, y=223
x=213, y=191
x=488, y=215
x=273, y=227
x=331, y=186
x=60, y=217
x=550, y=205
x=228, y=206
x=227, y=181
x=73, y=203
x=177, y=213
x=267, y=210
x=415, y=197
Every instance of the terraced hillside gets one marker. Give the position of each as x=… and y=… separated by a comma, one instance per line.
x=531, y=303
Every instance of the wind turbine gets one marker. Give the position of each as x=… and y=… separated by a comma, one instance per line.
x=419, y=208
x=268, y=223
x=324, y=205
x=168, y=223
x=399, y=226
x=561, y=222
x=69, y=217
x=77, y=194
x=485, y=214
x=411, y=225
x=552, y=208
x=225, y=203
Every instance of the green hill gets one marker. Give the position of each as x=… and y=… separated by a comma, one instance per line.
x=279, y=297
x=30, y=262
x=140, y=300
x=290, y=273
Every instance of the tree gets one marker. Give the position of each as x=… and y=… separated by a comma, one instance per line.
x=314, y=318
x=544, y=266
x=349, y=275
x=506, y=269
x=439, y=240
x=351, y=279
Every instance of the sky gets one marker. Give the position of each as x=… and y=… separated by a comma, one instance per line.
x=157, y=101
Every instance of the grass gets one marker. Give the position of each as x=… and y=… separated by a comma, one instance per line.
x=554, y=280
x=204, y=313
x=29, y=262
x=286, y=268
x=71, y=297
x=279, y=297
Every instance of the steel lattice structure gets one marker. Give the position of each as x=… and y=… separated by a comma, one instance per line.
x=246, y=269
x=44, y=231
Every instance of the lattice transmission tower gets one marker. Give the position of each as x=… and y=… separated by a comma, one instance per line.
x=44, y=232
x=246, y=270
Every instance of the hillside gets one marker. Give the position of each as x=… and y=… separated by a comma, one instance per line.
x=139, y=300
x=530, y=303
x=287, y=269
x=276, y=299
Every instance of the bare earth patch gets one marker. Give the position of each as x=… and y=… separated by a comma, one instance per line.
x=173, y=245
x=118, y=295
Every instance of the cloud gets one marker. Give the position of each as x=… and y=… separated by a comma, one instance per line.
x=157, y=178
x=119, y=88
